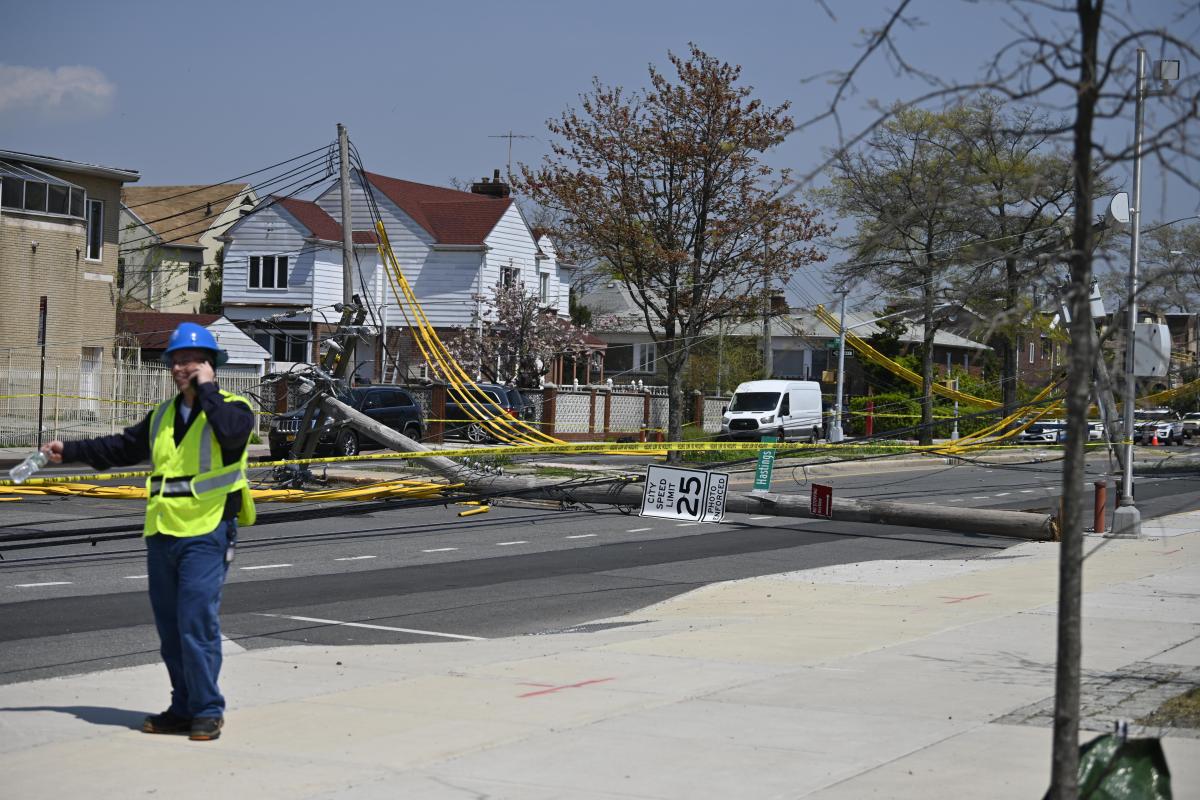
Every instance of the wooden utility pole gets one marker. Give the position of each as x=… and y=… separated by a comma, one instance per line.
x=347, y=216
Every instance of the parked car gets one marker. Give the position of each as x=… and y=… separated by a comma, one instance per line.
x=1161, y=423
x=1191, y=424
x=1043, y=433
x=389, y=405
x=498, y=401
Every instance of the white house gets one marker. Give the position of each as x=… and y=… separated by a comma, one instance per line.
x=453, y=247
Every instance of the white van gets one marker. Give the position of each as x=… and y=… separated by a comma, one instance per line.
x=783, y=409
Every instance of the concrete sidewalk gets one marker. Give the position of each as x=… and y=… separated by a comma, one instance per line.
x=891, y=679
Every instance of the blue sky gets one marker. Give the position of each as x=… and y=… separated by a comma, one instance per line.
x=201, y=92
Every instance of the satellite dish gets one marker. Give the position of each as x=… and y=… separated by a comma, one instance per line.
x=1117, y=212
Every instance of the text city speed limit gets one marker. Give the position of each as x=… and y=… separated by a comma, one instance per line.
x=689, y=494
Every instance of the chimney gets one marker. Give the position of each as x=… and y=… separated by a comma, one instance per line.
x=492, y=188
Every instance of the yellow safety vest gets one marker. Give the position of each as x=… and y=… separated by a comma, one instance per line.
x=187, y=488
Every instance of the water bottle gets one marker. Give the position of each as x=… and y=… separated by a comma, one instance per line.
x=21, y=472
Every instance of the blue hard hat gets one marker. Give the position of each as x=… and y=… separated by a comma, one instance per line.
x=189, y=336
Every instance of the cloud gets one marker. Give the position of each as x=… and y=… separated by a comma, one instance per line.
x=74, y=91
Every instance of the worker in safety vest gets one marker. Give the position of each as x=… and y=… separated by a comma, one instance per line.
x=196, y=498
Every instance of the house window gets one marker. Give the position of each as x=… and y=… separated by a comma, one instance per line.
x=1032, y=352
x=509, y=277
x=268, y=272
x=27, y=189
x=193, y=277
x=120, y=273
x=644, y=357
x=544, y=287
x=1047, y=349
x=95, y=229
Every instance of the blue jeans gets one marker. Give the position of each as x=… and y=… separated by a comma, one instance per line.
x=186, y=574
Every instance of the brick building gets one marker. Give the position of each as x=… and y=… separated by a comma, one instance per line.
x=58, y=239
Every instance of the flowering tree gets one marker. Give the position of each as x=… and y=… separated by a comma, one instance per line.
x=666, y=187
x=520, y=338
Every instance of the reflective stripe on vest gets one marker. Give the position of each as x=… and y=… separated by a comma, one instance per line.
x=191, y=503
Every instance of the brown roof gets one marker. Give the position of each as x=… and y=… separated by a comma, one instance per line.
x=318, y=221
x=180, y=214
x=450, y=216
x=152, y=329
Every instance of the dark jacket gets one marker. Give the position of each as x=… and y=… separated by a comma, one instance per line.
x=231, y=424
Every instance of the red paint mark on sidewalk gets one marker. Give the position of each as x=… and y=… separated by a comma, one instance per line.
x=1176, y=550
x=960, y=599
x=552, y=689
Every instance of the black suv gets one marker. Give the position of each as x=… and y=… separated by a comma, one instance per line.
x=500, y=401
x=388, y=405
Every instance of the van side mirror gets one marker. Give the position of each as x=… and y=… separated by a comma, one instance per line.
x=724, y=409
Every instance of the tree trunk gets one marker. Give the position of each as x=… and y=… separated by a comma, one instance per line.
x=1008, y=347
x=675, y=403
x=1064, y=769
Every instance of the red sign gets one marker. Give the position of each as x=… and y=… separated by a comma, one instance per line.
x=821, y=503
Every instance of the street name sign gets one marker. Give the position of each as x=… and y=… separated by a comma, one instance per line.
x=762, y=471
x=686, y=494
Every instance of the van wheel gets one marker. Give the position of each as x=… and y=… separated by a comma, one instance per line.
x=816, y=435
x=347, y=444
x=476, y=434
x=782, y=435
x=413, y=432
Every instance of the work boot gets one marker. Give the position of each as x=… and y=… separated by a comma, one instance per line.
x=205, y=729
x=166, y=722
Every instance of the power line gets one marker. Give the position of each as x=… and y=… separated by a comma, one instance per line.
x=226, y=198
x=231, y=180
x=324, y=174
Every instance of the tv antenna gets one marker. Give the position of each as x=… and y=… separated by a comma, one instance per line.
x=510, y=136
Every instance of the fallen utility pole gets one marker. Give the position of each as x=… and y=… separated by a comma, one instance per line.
x=1014, y=524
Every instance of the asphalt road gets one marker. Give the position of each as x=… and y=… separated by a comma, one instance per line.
x=394, y=575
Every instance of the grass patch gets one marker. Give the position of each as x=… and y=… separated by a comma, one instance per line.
x=557, y=472
x=1181, y=711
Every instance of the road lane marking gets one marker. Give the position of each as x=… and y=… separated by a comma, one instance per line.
x=763, y=517
x=135, y=577
x=686, y=524
x=47, y=583
x=980, y=497
x=440, y=550
x=267, y=566
x=1027, y=491
x=374, y=627
x=354, y=558
x=638, y=530
x=581, y=536
x=1003, y=494
x=506, y=544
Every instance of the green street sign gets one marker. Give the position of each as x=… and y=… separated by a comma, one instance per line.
x=762, y=471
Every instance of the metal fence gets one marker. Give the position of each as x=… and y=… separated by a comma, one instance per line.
x=88, y=397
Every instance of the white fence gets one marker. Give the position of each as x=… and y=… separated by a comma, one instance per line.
x=84, y=397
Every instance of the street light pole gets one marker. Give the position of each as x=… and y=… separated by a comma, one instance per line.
x=1127, y=520
x=835, y=430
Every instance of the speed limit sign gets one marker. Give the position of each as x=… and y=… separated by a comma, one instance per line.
x=687, y=494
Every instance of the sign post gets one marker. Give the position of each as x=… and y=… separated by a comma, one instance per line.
x=41, y=340
x=687, y=494
x=762, y=471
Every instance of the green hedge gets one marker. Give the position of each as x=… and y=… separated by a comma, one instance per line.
x=897, y=411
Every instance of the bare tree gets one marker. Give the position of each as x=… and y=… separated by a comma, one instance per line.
x=1076, y=57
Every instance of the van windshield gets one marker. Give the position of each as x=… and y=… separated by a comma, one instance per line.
x=754, y=401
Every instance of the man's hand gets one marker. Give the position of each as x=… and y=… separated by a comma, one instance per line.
x=54, y=451
x=203, y=373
